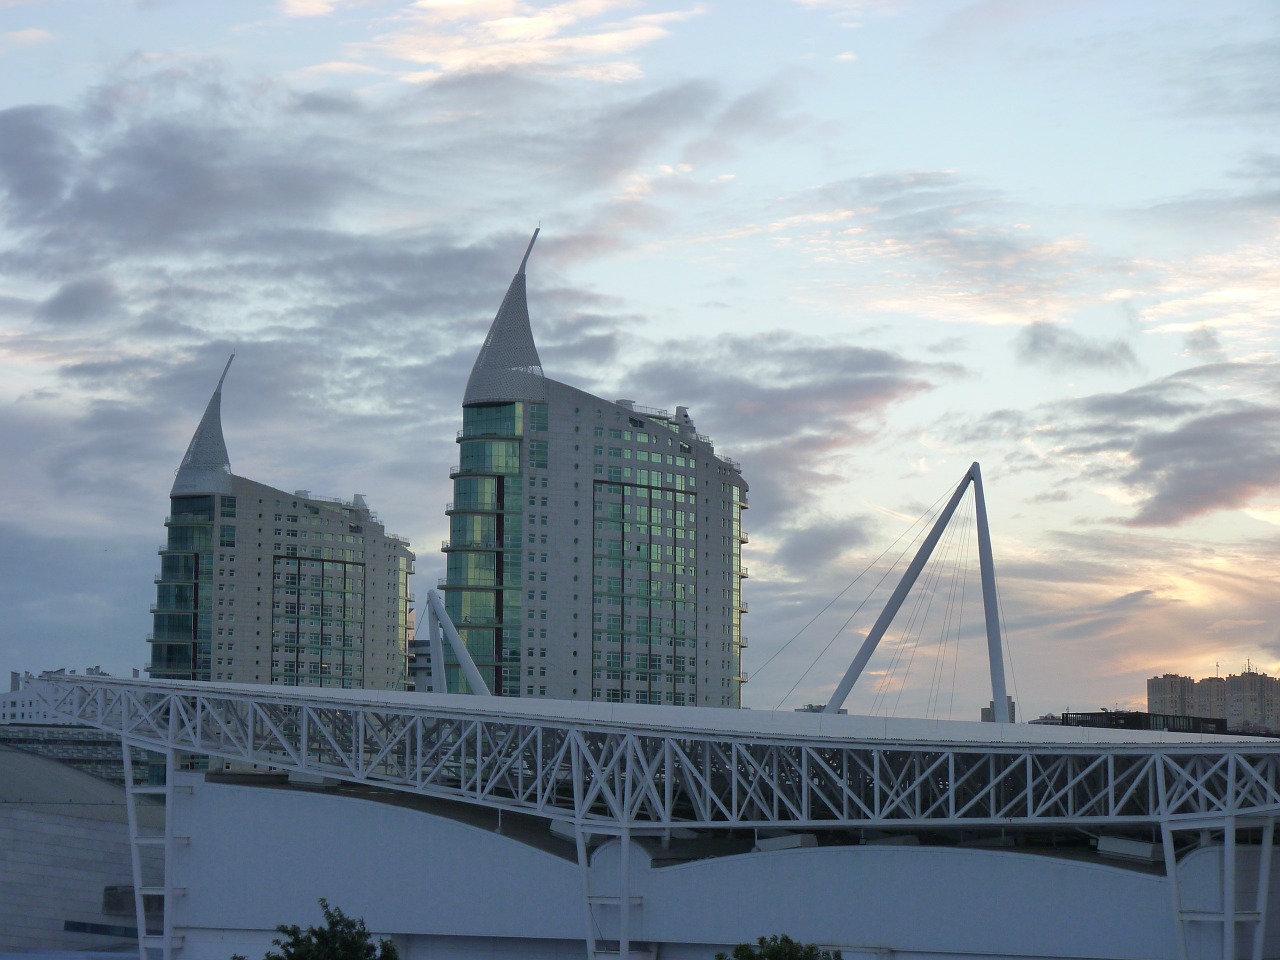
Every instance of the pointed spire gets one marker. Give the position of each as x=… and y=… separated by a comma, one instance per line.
x=206, y=468
x=508, y=367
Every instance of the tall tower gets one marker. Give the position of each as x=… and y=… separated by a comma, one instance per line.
x=258, y=585
x=595, y=546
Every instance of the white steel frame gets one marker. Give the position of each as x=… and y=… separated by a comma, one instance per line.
x=991, y=610
x=610, y=778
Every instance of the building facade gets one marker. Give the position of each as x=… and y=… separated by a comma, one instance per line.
x=1249, y=702
x=595, y=546
x=1172, y=694
x=258, y=585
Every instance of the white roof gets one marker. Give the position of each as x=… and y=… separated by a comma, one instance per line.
x=206, y=468
x=701, y=721
x=507, y=367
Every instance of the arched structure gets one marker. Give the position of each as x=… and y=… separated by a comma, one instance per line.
x=990, y=604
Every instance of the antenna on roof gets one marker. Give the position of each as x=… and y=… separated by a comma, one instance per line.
x=530, y=250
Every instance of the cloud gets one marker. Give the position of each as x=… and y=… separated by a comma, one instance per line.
x=1219, y=461
x=1057, y=347
x=574, y=39
x=81, y=301
x=1201, y=441
x=1230, y=79
x=105, y=581
x=36, y=157
x=307, y=8
x=24, y=38
x=928, y=240
x=1204, y=344
x=793, y=414
x=818, y=543
x=975, y=25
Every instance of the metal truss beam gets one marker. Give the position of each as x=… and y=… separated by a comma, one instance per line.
x=609, y=778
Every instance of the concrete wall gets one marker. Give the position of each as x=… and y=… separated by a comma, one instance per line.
x=259, y=857
x=52, y=869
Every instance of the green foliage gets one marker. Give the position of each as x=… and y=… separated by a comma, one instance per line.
x=779, y=948
x=341, y=938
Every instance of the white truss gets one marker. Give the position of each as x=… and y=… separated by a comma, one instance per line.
x=603, y=775
x=612, y=775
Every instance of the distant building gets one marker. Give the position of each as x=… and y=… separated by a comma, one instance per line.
x=1171, y=694
x=258, y=585
x=1249, y=702
x=988, y=714
x=595, y=546
x=1209, y=699
x=1138, y=720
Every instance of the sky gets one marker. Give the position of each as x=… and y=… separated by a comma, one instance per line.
x=866, y=242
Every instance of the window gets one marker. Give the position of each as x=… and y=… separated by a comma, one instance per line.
x=227, y=535
x=229, y=508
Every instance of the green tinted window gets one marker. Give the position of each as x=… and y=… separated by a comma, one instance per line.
x=491, y=456
x=538, y=416
x=493, y=420
x=191, y=508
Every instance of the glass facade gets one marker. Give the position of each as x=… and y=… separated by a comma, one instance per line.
x=317, y=621
x=182, y=615
x=482, y=590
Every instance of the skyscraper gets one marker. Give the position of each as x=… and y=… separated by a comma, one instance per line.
x=595, y=545
x=258, y=585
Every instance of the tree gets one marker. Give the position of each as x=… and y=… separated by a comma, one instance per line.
x=779, y=948
x=341, y=938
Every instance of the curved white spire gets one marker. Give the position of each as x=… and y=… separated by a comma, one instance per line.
x=206, y=468
x=508, y=367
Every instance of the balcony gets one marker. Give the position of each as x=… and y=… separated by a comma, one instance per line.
x=447, y=545
x=172, y=608
x=742, y=606
x=485, y=435
x=511, y=543
x=487, y=622
x=188, y=518
x=726, y=460
x=471, y=506
x=510, y=583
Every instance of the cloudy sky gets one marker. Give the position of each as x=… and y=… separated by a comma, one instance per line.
x=866, y=242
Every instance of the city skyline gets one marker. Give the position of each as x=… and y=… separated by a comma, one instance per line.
x=865, y=243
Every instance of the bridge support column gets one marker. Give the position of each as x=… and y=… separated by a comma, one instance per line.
x=151, y=879
x=1228, y=917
